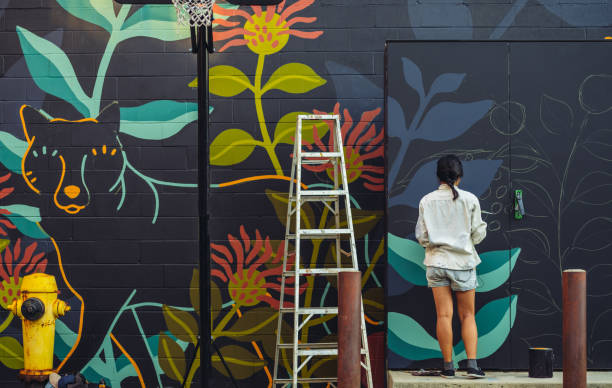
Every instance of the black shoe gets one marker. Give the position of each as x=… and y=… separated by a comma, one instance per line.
x=475, y=373
x=448, y=373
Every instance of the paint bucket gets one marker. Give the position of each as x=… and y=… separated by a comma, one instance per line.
x=541, y=362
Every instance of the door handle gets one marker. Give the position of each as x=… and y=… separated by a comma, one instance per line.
x=519, y=208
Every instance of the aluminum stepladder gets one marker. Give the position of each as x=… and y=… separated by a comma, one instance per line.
x=302, y=353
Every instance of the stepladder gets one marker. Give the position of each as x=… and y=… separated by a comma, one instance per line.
x=298, y=361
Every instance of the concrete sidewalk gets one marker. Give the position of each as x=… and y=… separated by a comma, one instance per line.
x=403, y=379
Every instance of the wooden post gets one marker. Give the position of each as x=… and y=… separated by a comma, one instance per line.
x=349, y=329
x=574, y=329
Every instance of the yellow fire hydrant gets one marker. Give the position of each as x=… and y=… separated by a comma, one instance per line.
x=38, y=308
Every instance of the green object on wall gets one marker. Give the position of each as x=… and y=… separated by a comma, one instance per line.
x=519, y=209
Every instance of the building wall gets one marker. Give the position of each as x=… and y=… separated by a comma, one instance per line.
x=127, y=259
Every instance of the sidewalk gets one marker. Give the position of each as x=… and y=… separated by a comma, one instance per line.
x=402, y=379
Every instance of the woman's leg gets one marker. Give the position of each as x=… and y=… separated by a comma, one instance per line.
x=444, y=329
x=469, y=332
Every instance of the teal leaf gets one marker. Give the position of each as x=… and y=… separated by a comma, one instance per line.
x=494, y=321
x=51, y=70
x=12, y=150
x=64, y=339
x=155, y=21
x=157, y=120
x=98, y=12
x=408, y=339
x=25, y=218
x=406, y=257
x=495, y=268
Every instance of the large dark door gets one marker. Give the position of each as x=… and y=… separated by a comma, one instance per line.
x=446, y=97
x=530, y=116
x=561, y=158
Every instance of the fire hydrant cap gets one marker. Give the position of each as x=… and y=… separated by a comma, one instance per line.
x=38, y=282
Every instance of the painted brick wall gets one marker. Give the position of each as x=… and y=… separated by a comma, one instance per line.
x=109, y=253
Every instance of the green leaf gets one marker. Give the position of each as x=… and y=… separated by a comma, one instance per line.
x=157, y=120
x=242, y=362
x=408, y=339
x=181, y=324
x=3, y=244
x=227, y=81
x=65, y=338
x=25, y=218
x=494, y=269
x=194, y=290
x=294, y=78
x=98, y=12
x=406, y=257
x=494, y=321
x=156, y=21
x=171, y=358
x=285, y=128
x=11, y=353
x=12, y=150
x=51, y=70
x=279, y=201
x=232, y=146
x=363, y=221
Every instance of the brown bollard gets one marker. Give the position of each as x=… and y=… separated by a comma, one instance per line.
x=574, y=329
x=349, y=329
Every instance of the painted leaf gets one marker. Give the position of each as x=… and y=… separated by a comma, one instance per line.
x=51, y=70
x=494, y=321
x=442, y=13
x=3, y=244
x=12, y=150
x=285, y=128
x=155, y=21
x=413, y=76
x=594, y=189
x=157, y=120
x=397, y=120
x=478, y=175
x=194, y=290
x=408, y=339
x=354, y=91
x=171, y=358
x=363, y=221
x=26, y=219
x=232, y=146
x=593, y=235
x=242, y=362
x=64, y=339
x=448, y=120
x=181, y=324
x=294, y=78
x=406, y=257
x=98, y=12
x=279, y=201
x=495, y=268
x=599, y=144
x=227, y=81
x=446, y=83
x=556, y=115
x=594, y=95
x=215, y=301
x=253, y=322
x=11, y=353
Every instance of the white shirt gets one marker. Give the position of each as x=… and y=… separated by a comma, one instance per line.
x=449, y=229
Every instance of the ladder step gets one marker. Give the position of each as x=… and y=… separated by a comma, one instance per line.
x=317, y=352
x=320, y=345
x=317, y=271
x=311, y=380
x=317, y=117
x=311, y=310
x=324, y=233
x=320, y=195
x=321, y=155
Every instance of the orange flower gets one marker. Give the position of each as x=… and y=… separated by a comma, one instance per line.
x=361, y=144
x=250, y=270
x=4, y=192
x=11, y=268
x=265, y=31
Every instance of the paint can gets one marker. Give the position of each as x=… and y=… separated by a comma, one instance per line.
x=541, y=362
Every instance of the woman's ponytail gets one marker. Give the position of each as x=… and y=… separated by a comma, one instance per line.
x=449, y=171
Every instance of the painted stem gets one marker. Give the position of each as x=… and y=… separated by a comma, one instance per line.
x=225, y=320
x=194, y=368
x=265, y=136
x=7, y=322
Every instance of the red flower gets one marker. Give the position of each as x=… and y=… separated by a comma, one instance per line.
x=361, y=143
x=251, y=271
x=4, y=192
x=12, y=270
x=265, y=31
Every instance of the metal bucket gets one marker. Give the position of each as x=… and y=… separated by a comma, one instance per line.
x=541, y=362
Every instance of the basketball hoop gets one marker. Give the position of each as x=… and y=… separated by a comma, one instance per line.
x=194, y=13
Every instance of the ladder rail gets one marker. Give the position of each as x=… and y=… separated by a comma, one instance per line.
x=298, y=204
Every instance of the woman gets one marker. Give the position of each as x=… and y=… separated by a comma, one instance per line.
x=449, y=226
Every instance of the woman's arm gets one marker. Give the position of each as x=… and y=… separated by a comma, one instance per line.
x=421, y=229
x=479, y=227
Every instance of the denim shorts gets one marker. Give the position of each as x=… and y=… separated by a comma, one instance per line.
x=458, y=280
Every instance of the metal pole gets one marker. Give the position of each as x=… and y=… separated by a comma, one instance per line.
x=204, y=246
x=574, y=329
x=349, y=329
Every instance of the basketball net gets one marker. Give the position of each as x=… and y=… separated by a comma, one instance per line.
x=194, y=13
